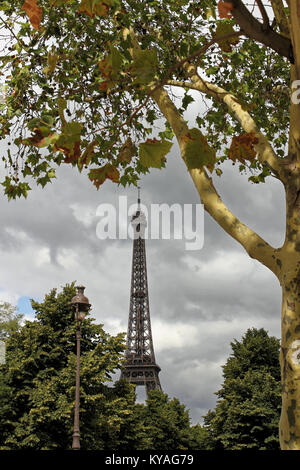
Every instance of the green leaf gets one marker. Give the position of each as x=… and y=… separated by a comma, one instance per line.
x=47, y=119
x=13, y=190
x=51, y=62
x=72, y=130
x=62, y=104
x=187, y=99
x=224, y=28
x=197, y=152
x=144, y=66
x=152, y=152
x=68, y=141
x=48, y=140
x=110, y=68
x=33, y=123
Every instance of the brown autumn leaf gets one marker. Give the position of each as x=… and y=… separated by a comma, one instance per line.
x=36, y=139
x=42, y=137
x=127, y=151
x=69, y=141
x=99, y=175
x=71, y=151
x=92, y=7
x=34, y=12
x=110, y=67
x=242, y=147
x=224, y=9
x=85, y=158
x=105, y=68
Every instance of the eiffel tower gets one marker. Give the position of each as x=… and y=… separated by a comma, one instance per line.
x=140, y=367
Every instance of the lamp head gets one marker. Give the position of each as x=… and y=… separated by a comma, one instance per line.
x=80, y=303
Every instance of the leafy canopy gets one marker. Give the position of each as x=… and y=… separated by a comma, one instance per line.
x=37, y=381
x=249, y=401
x=37, y=389
x=78, y=76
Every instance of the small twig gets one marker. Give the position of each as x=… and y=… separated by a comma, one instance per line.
x=199, y=52
x=12, y=32
x=266, y=21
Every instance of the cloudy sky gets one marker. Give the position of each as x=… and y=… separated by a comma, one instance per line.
x=199, y=300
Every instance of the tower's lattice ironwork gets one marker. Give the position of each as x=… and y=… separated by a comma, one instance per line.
x=140, y=367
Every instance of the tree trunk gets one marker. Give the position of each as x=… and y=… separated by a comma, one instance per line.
x=290, y=257
x=290, y=322
x=290, y=366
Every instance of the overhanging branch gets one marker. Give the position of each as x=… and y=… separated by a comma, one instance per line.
x=281, y=18
x=265, y=152
x=261, y=32
x=263, y=14
x=255, y=246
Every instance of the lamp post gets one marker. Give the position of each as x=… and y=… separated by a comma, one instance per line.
x=81, y=305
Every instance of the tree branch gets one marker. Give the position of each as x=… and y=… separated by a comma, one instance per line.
x=19, y=41
x=263, y=14
x=295, y=75
x=255, y=246
x=265, y=152
x=295, y=33
x=255, y=30
x=281, y=17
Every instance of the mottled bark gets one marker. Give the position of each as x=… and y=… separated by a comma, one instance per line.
x=294, y=141
x=290, y=363
x=290, y=319
x=295, y=33
x=281, y=18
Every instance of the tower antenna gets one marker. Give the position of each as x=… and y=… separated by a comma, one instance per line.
x=139, y=197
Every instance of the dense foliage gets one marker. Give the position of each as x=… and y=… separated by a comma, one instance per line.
x=249, y=401
x=167, y=424
x=78, y=78
x=37, y=385
x=37, y=390
x=37, y=381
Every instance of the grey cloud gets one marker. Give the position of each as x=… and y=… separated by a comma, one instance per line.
x=184, y=286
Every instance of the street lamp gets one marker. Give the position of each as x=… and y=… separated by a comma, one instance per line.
x=81, y=306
